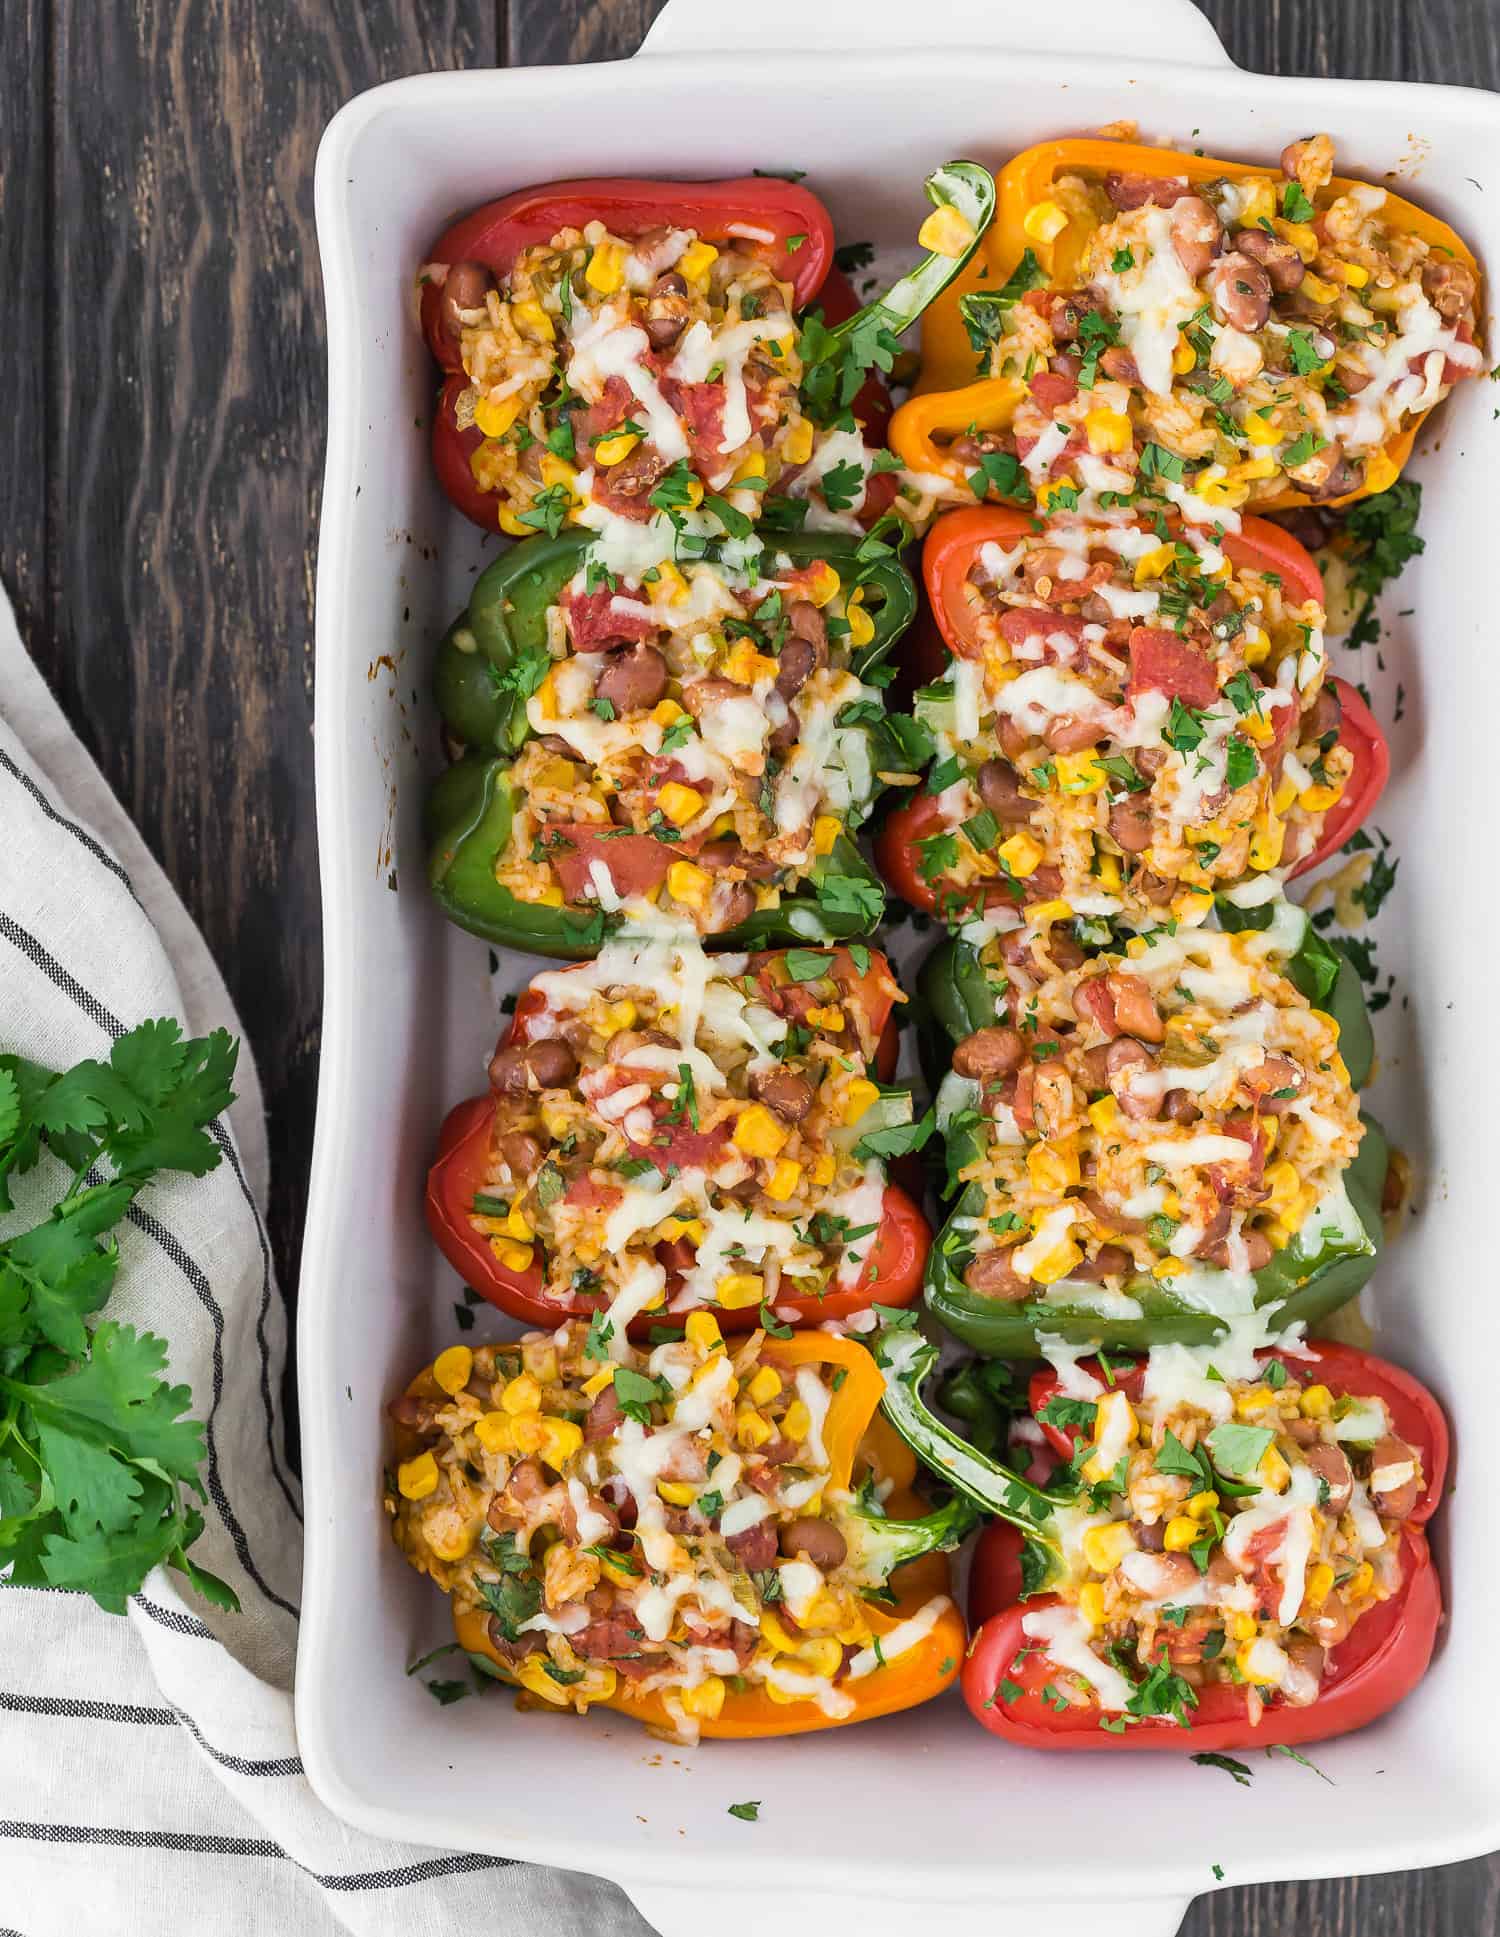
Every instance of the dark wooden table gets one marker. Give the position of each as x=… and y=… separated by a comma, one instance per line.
x=161, y=459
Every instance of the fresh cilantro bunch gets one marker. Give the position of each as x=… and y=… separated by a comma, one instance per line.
x=94, y=1450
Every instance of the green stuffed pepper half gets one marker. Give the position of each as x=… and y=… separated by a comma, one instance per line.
x=648, y=735
x=1158, y=1144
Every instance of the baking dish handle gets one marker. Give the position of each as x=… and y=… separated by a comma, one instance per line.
x=676, y=1912
x=1168, y=29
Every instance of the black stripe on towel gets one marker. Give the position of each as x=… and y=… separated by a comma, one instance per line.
x=167, y=1839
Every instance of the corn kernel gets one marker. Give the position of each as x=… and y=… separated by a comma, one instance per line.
x=702, y=1330
x=1284, y=1186
x=1316, y=1402
x=1021, y=854
x=1041, y=914
x=1260, y=430
x=741, y=1289
x=557, y=470
x=1318, y=289
x=515, y=1257
x=561, y=1441
x=1256, y=646
x=680, y=804
x=706, y=1699
x=826, y=831
x=1258, y=199
x=1360, y=1582
x=783, y=1180
x=687, y=884
x=858, y=1098
x=861, y=626
x=823, y=1657
x=493, y=1431
x=758, y=1132
x=1105, y=1547
x=829, y=1017
x=764, y=1387
x=1319, y=1583
x=673, y=1228
x=946, y=232
x=1108, y=873
x=1044, y=221
x=796, y=1421
x=528, y=1430
x=451, y=1369
x=1166, y=1268
x=416, y=1478
x=1381, y=471
x=797, y=444
x=1078, y=773
x=614, y=450
x=453, y=1542
x=671, y=583
x=667, y=712
x=523, y=1394
x=606, y=270
x=677, y=1493
x=510, y=523
x=1259, y=728
x=1104, y=1114
x=1318, y=800
x=751, y=465
x=1227, y=493
x=1201, y=1505
x=1267, y=842
x=752, y=1431
x=1258, y=1399
x=1052, y=1167
x=1274, y=1470
x=1245, y=1661
x=824, y=1170
x=1183, y=358
x=1302, y=236
x=1091, y=1604
x=517, y=1225
x=1153, y=563
x=495, y=419
x=594, y=1385
x=1108, y=430
x=1240, y=1627
x=1180, y=1534
x=1284, y=795
x=532, y=320
x=696, y=260
x=1057, y=1263
x=823, y=584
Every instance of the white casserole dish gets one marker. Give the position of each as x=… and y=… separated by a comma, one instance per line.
x=921, y=1815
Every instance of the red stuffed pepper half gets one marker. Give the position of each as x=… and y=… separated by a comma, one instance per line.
x=1137, y=714
x=1244, y=1565
x=667, y=1131
x=619, y=352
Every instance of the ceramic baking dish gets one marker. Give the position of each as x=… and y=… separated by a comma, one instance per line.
x=924, y=1815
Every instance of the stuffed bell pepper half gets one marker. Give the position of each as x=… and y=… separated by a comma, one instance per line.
x=1136, y=714
x=690, y=741
x=1160, y=1144
x=1225, y=1556
x=668, y=1131
x=623, y=353
x=1240, y=335
x=714, y=1538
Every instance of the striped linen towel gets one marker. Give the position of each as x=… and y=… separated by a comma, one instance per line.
x=150, y=1777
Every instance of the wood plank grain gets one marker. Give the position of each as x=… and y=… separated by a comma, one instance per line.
x=185, y=426
x=544, y=31
x=24, y=264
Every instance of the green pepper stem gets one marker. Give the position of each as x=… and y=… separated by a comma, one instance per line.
x=960, y=185
x=907, y=1359
x=881, y=1546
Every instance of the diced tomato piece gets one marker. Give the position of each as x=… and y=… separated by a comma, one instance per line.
x=595, y=624
x=1022, y=623
x=611, y=410
x=635, y=863
x=701, y=407
x=1161, y=662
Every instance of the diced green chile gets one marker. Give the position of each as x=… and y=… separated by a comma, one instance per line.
x=1298, y=1283
x=490, y=662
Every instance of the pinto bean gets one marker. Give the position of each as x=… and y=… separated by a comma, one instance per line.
x=1136, y=1013
x=819, y=1540
x=1241, y=291
x=1067, y=733
x=784, y=1091
x=1177, y=1106
x=522, y=1152
x=1331, y=1465
x=1160, y=1576
x=636, y=477
x=1118, y=363
x=417, y=1415
x=1108, y=1215
x=999, y=788
x=1329, y=1624
x=755, y=1548
x=993, y=1275
x=1276, y=1073
x=1121, y=1056
x=1303, y=1679
x=1013, y=737
x=989, y=1053
x=1450, y=287
x=1280, y=260
x=1149, y=761
x=667, y=311
x=1149, y=1537
x=546, y=1065
x=1343, y=475
x=1158, y=889
x=1131, y=190
x=633, y=680
x=1196, y=234
x=1130, y=823
x=604, y=1416
x=1215, y=1249
x=734, y=903
x=1397, y=1501
x=465, y=288
x=1109, y=1261
x=1309, y=163
x=1324, y=716
x=804, y=651
x=704, y=694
